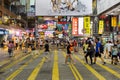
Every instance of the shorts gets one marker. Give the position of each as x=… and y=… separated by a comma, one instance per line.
x=114, y=56
x=97, y=54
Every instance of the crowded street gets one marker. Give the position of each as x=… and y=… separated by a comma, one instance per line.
x=59, y=39
x=30, y=66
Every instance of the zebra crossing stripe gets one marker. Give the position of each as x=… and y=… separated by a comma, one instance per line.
x=109, y=70
x=13, y=63
x=111, y=64
x=100, y=77
x=74, y=71
x=34, y=74
x=15, y=73
x=80, y=77
x=55, y=71
x=75, y=75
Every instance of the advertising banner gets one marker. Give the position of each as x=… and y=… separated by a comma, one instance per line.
x=63, y=7
x=80, y=26
x=101, y=27
x=74, y=26
x=87, y=25
x=114, y=21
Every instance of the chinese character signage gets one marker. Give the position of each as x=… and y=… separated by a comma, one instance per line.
x=87, y=25
x=114, y=21
x=74, y=26
x=101, y=27
x=80, y=26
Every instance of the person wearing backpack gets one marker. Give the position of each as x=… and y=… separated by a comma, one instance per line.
x=97, y=51
x=90, y=52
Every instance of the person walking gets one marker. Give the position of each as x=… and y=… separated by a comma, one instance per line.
x=47, y=51
x=69, y=53
x=20, y=44
x=108, y=47
x=114, y=54
x=16, y=44
x=10, y=48
x=90, y=52
x=97, y=51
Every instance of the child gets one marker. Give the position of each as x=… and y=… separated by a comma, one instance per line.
x=114, y=55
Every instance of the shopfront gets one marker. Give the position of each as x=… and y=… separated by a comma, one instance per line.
x=3, y=34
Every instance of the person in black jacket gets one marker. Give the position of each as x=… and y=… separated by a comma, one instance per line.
x=47, y=51
x=90, y=52
x=69, y=53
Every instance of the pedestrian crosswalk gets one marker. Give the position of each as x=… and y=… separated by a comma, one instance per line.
x=35, y=67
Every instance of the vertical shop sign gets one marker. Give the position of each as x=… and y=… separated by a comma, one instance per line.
x=101, y=27
x=114, y=22
x=87, y=25
x=75, y=26
x=80, y=26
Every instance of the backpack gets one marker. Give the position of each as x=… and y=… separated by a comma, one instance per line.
x=71, y=48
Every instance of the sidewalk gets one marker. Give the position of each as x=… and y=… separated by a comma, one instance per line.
x=4, y=57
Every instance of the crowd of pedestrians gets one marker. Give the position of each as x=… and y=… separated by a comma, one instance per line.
x=95, y=48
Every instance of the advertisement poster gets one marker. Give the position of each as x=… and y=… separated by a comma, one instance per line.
x=74, y=26
x=63, y=7
x=101, y=27
x=50, y=24
x=87, y=25
x=114, y=21
x=80, y=26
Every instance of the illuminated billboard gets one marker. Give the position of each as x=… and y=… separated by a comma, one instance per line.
x=63, y=7
x=80, y=26
x=75, y=26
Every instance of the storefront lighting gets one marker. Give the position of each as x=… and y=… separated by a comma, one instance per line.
x=11, y=31
x=5, y=19
x=111, y=13
x=17, y=33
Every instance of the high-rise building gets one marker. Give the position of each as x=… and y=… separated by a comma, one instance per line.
x=12, y=10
